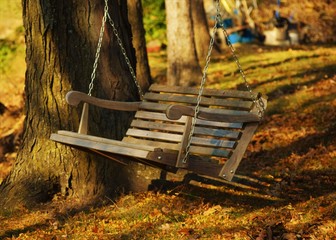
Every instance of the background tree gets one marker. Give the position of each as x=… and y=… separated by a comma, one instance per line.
x=201, y=29
x=188, y=40
x=135, y=18
x=61, y=39
x=183, y=67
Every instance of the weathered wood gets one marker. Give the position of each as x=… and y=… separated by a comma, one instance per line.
x=84, y=121
x=229, y=169
x=118, y=147
x=217, y=132
x=234, y=125
x=209, y=151
x=103, y=140
x=177, y=111
x=202, y=150
x=150, y=125
x=183, y=145
x=204, y=166
x=211, y=142
x=159, y=133
x=74, y=98
x=114, y=157
x=168, y=158
x=206, y=101
x=169, y=137
x=206, y=92
x=157, y=116
x=177, y=128
x=153, y=143
x=153, y=106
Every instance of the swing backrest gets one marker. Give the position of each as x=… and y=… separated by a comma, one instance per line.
x=212, y=140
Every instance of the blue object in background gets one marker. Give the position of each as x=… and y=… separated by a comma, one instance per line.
x=247, y=36
x=234, y=38
x=228, y=23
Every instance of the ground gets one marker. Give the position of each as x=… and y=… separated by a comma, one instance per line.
x=285, y=187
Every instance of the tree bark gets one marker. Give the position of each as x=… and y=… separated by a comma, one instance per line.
x=139, y=42
x=183, y=67
x=61, y=40
x=201, y=30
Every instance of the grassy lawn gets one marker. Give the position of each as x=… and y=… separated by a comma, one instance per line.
x=285, y=187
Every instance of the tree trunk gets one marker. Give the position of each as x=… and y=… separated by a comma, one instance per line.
x=61, y=38
x=139, y=43
x=183, y=67
x=201, y=30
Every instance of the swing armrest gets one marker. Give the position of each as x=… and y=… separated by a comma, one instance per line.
x=74, y=98
x=175, y=112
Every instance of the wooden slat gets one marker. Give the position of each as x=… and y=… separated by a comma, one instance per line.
x=103, y=140
x=239, y=104
x=157, y=126
x=156, y=144
x=123, y=150
x=162, y=117
x=212, y=142
x=201, y=122
x=157, y=116
x=177, y=111
x=153, y=106
x=154, y=135
x=206, y=92
x=117, y=158
x=210, y=151
x=217, y=132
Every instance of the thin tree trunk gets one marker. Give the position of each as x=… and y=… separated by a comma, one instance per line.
x=183, y=67
x=201, y=30
x=139, y=42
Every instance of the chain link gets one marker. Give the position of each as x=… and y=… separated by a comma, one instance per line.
x=123, y=51
x=257, y=101
x=100, y=40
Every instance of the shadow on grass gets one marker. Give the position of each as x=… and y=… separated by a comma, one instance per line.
x=293, y=87
x=16, y=232
x=255, y=191
x=46, y=224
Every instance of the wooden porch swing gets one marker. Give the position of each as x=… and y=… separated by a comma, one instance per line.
x=205, y=131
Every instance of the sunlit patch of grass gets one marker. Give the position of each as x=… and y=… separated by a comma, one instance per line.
x=158, y=63
x=8, y=52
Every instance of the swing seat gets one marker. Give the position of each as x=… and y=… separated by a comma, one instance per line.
x=159, y=133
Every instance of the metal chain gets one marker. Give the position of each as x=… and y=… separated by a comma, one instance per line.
x=95, y=64
x=123, y=51
x=258, y=102
x=204, y=76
